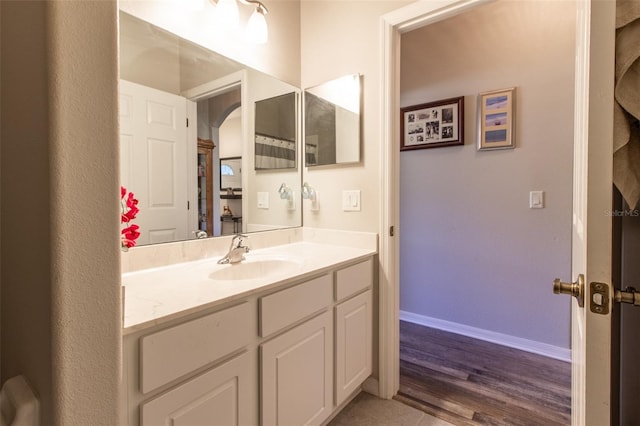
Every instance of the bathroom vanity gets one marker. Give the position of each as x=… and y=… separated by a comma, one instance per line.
x=283, y=338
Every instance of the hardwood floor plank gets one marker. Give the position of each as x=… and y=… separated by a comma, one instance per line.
x=464, y=394
x=434, y=411
x=468, y=381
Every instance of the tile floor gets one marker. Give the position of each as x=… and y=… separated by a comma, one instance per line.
x=368, y=410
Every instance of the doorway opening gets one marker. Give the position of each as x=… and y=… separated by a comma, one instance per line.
x=220, y=147
x=475, y=258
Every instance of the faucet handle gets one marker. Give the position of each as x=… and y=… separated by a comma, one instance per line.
x=239, y=237
x=244, y=243
x=238, y=240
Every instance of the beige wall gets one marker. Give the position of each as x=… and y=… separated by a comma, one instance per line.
x=25, y=228
x=472, y=251
x=340, y=38
x=60, y=204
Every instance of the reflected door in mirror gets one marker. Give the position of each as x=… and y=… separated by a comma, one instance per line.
x=153, y=138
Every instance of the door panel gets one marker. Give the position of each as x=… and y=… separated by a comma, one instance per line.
x=297, y=369
x=592, y=197
x=154, y=160
x=220, y=396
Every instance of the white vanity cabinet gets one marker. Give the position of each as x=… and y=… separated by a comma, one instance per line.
x=297, y=370
x=353, y=328
x=288, y=355
x=197, y=372
x=297, y=365
x=220, y=396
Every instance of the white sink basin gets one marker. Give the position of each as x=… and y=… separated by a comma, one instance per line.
x=256, y=267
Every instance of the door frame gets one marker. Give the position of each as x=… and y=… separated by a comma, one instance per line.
x=392, y=25
x=215, y=88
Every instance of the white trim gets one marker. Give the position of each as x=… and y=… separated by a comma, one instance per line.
x=405, y=19
x=215, y=87
x=192, y=167
x=544, y=349
x=218, y=87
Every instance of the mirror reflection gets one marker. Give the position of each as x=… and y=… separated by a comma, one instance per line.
x=188, y=117
x=332, y=122
x=275, y=138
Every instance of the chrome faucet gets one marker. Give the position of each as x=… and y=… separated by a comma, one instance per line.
x=236, y=250
x=200, y=234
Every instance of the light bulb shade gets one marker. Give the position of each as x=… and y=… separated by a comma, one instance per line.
x=257, y=31
x=227, y=13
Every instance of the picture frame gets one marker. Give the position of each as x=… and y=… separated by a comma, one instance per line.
x=496, y=119
x=432, y=125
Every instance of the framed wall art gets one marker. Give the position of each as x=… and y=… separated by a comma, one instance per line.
x=496, y=119
x=432, y=125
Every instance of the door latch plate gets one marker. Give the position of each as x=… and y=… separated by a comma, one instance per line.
x=599, y=298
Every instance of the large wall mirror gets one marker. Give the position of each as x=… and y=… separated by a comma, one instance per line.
x=332, y=122
x=185, y=112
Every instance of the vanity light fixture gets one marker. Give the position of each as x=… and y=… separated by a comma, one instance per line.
x=227, y=15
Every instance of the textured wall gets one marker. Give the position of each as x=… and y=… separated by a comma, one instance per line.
x=61, y=319
x=25, y=227
x=472, y=252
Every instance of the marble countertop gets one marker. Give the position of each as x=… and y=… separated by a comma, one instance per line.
x=155, y=296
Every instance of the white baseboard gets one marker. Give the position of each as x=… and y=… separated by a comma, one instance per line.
x=539, y=348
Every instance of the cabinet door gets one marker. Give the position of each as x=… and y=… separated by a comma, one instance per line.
x=297, y=372
x=353, y=344
x=221, y=396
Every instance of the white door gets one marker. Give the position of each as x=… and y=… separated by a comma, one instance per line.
x=154, y=160
x=592, y=198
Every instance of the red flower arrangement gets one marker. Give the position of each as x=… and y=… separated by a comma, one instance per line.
x=129, y=211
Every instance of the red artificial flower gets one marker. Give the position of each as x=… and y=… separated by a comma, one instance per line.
x=131, y=232
x=129, y=212
x=131, y=201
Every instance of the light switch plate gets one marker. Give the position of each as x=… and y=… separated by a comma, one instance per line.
x=536, y=199
x=351, y=201
x=263, y=200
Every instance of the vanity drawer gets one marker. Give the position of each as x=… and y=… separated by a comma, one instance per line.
x=353, y=279
x=176, y=351
x=222, y=393
x=286, y=307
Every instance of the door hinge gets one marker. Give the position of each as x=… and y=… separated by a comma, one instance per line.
x=188, y=205
x=391, y=231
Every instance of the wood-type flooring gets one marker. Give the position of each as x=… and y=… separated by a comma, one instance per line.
x=466, y=381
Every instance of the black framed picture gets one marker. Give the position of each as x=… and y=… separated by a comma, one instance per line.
x=432, y=124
